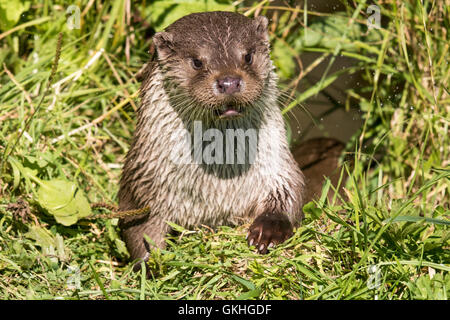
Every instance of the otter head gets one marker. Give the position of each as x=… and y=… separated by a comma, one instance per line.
x=215, y=62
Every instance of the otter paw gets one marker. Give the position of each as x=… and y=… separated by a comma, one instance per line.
x=268, y=230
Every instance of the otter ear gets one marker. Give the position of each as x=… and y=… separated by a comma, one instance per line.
x=261, y=23
x=164, y=44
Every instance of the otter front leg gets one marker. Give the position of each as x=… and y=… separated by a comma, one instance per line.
x=133, y=231
x=268, y=230
x=278, y=215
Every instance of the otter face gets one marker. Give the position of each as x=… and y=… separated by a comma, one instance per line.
x=217, y=60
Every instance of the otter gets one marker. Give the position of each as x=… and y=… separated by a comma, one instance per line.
x=212, y=79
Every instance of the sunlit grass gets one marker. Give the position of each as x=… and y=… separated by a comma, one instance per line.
x=394, y=214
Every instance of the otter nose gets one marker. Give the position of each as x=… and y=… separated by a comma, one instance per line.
x=229, y=85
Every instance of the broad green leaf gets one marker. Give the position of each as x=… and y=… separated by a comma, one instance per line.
x=311, y=209
x=36, y=162
x=283, y=59
x=250, y=294
x=327, y=32
x=42, y=236
x=64, y=201
x=164, y=13
x=10, y=12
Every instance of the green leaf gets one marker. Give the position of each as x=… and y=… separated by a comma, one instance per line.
x=35, y=163
x=60, y=248
x=311, y=209
x=253, y=292
x=121, y=248
x=248, y=284
x=311, y=38
x=327, y=32
x=250, y=294
x=115, y=238
x=163, y=13
x=427, y=288
x=418, y=219
x=42, y=236
x=316, y=88
x=283, y=59
x=99, y=282
x=16, y=174
x=10, y=12
x=64, y=201
x=7, y=263
x=176, y=227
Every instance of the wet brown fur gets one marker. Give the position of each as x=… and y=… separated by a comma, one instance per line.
x=173, y=96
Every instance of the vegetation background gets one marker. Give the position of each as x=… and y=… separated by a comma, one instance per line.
x=64, y=134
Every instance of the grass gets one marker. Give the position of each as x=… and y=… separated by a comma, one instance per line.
x=387, y=239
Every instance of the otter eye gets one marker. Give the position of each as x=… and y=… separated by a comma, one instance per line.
x=248, y=58
x=197, y=64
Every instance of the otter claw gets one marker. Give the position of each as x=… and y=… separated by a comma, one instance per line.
x=268, y=230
